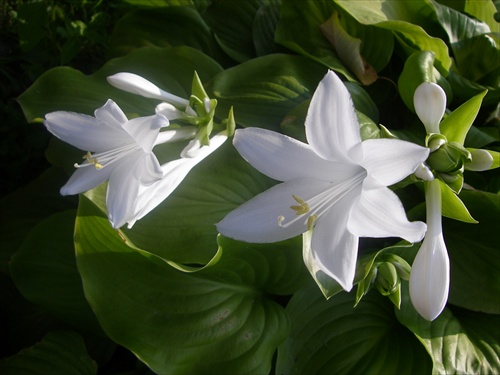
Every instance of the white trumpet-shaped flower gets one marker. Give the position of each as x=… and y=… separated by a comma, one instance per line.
x=336, y=184
x=121, y=153
x=429, y=101
x=430, y=273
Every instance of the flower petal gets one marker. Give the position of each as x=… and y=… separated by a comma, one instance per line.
x=391, y=160
x=379, y=213
x=84, y=179
x=332, y=127
x=257, y=220
x=138, y=85
x=174, y=173
x=85, y=132
x=123, y=190
x=334, y=248
x=174, y=135
x=151, y=170
x=111, y=114
x=144, y=130
x=283, y=158
x=429, y=101
x=429, y=278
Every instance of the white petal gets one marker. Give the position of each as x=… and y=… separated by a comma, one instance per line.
x=430, y=103
x=144, y=130
x=169, y=111
x=85, y=132
x=138, y=85
x=332, y=127
x=429, y=278
x=174, y=135
x=123, y=190
x=283, y=158
x=333, y=247
x=257, y=220
x=84, y=179
x=111, y=114
x=379, y=213
x=151, y=171
x=391, y=160
x=174, y=173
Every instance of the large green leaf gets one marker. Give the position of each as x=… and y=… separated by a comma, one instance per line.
x=408, y=20
x=474, y=255
x=299, y=30
x=263, y=90
x=44, y=270
x=458, y=341
x=24, y=208
x=67, y=89
x=476, y=52
x=333, y=337
x=144, y=28
x=232, y=23
x=218, y=319
x=60, y=352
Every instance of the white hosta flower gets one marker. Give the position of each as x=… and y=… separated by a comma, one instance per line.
x=430, y=103
x=121, y=153
x=430, y=272
x=136, y=84
x=336, y=183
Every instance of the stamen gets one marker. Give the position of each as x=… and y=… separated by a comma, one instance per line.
x=302, y=208
x=102, y=159
x=310, y=221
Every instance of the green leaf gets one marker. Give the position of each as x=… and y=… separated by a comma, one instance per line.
x=484, y=11
x=264, y=27
x=232, y=23
x=263, y=90
x=407, y=20
x=474, y=256
x=69, y=90
x=44, y=270
x=299, y=29
x=144, y=28
x=218, y=319
x=460, y=342
x=333, y=337
x=60, y=352
x=457, y=124
x=476, y=53
x=26, y=207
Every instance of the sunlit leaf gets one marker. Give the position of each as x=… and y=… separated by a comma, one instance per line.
x=217, y=320
x=458, y=341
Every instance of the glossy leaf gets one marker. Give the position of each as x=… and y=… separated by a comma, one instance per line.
x=217, y=319
x=408, y=22
x=333, y=337
x=44, y=270
x=453, y=207
x=299, y=30
x=458, y=342
x=60, y=352
x=263, y=90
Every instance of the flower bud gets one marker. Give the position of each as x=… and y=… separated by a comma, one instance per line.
x=482, y=160
x=430, y=103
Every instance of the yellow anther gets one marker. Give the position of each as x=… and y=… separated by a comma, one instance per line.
x=302, y=207
x=87, y=156
x=97, y=165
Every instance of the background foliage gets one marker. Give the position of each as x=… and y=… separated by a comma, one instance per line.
x=173, y=296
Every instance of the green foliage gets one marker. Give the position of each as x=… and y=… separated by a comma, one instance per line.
x=171, y=295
